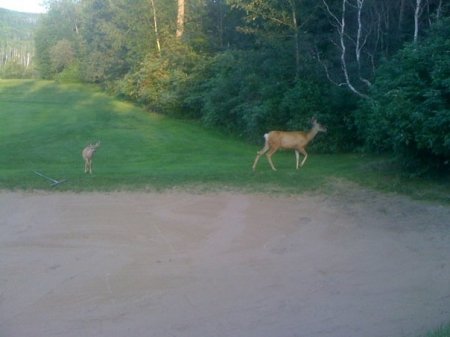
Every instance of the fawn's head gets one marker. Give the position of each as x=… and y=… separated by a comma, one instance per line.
x=94, y=146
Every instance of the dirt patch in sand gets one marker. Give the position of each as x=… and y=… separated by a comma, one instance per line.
x=354, y=263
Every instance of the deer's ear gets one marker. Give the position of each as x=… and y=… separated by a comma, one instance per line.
x=313, y=119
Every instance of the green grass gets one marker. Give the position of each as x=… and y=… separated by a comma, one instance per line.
x=443, y=331
x=45, y=125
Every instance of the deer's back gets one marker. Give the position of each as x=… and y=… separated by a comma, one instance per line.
x=287, y=139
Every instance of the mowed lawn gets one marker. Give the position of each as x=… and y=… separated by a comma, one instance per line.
x=45, y=125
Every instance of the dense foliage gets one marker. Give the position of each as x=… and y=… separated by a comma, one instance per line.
x=374, y=71
x=410, y=111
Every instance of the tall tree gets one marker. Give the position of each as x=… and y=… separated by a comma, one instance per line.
x=180, y=18
x=117, y=36
x=417, y=12
x=61, y=23
x=340, y=22
x=155, y=26
x=279, y=19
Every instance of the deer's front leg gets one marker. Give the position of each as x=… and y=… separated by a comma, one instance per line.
x=306, y=156
x=297, y=159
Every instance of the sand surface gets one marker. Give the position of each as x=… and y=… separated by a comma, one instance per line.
x=350, y=263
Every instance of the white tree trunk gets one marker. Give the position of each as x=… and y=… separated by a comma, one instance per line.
x=180, y=18
x=416, y=20
x=155, y=26
x=340, y=25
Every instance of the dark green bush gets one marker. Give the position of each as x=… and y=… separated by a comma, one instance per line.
x=237, y=94
x=409, y=113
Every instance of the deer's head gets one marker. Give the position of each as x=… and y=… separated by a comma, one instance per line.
x=94, y=146
x=317, y=126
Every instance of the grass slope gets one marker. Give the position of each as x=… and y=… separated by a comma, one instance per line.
x=45, y=125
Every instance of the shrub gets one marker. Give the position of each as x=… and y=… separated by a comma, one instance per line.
x=410, y=109
x=237, y=94
x=15, y=70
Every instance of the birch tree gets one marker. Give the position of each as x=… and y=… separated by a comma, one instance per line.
x=417, y=13
x=155, y=26
x=339, y=22
x=180, y=18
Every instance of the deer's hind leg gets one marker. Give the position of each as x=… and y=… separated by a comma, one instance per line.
x=260, y=153
x=88, y=166
x=303, y=152
x=269, y=157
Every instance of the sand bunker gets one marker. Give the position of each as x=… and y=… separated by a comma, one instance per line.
x=355, y=263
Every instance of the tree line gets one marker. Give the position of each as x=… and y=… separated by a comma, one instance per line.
x=16, y=44
x=376, y=72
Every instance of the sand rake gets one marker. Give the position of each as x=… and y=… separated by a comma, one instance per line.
x=54, y=182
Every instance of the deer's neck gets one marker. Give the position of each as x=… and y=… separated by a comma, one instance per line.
x=312, y=133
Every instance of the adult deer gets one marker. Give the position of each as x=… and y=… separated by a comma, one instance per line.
x=296, y=140
x=88, y=154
